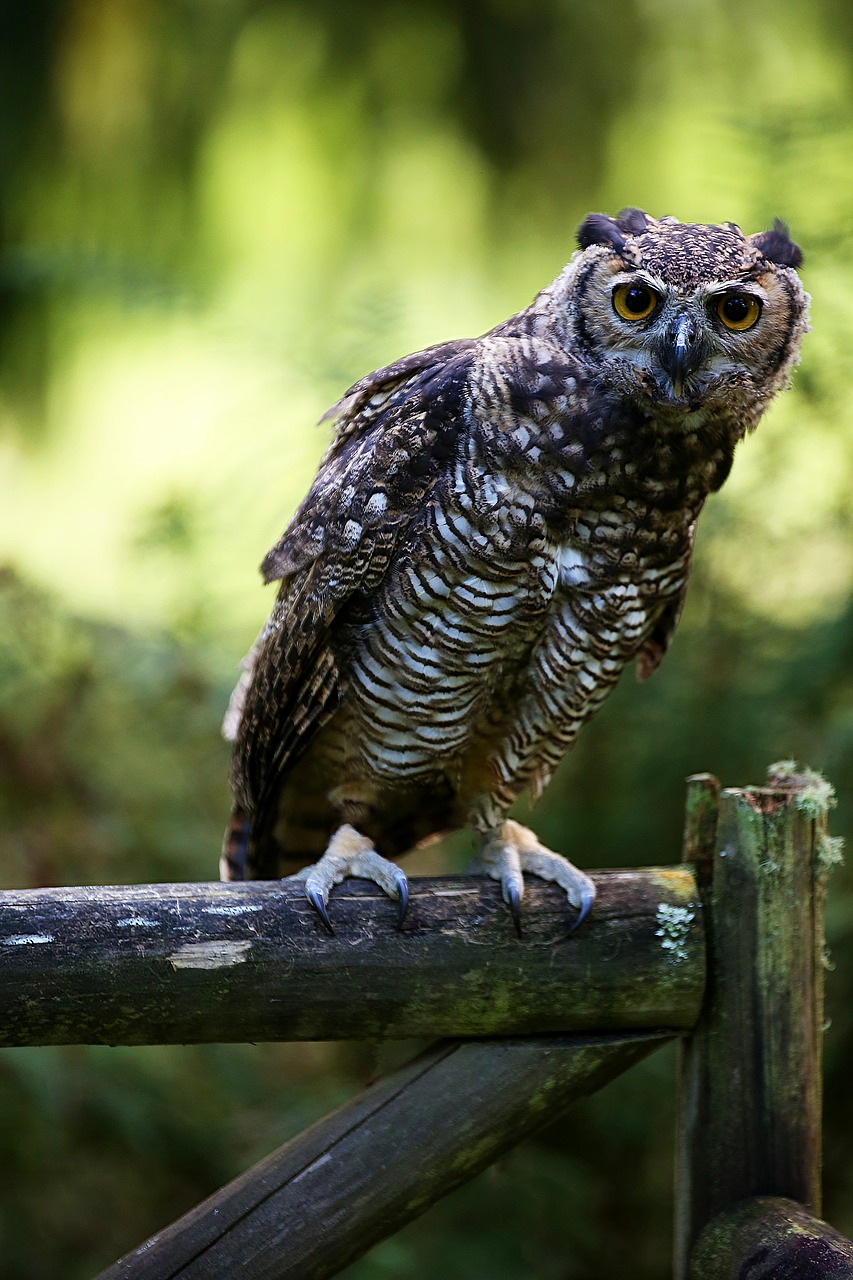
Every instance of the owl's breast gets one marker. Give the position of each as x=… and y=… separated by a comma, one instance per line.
x=455, y=621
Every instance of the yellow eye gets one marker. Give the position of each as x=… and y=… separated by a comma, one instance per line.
x=634, y=301
x=738, y=311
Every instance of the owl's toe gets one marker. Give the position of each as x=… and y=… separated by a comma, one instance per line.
x=511, y=849
x=350, y=854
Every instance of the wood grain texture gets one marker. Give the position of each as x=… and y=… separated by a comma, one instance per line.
x=750, y=1073
x=769, y=1238
x=156, y=964
x=362, y=1172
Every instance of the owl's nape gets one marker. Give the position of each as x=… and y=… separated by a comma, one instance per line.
x=499, y=526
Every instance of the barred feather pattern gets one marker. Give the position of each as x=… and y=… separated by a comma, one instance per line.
x=498, y=528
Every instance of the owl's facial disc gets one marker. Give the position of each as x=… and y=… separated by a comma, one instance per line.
x=685, y=321
x=699, y=339
x=680, y=342
x=663, y=335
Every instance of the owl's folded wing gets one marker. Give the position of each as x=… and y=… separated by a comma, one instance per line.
x=396, y=433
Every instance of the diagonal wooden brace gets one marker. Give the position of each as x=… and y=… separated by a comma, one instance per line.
x=364, y=1171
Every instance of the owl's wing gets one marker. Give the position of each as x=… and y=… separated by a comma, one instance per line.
x=396, y=431
x=653, y=649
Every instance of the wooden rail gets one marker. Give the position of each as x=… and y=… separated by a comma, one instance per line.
x=181, y=963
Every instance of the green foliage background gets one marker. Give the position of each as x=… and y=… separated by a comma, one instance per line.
x=216, y=216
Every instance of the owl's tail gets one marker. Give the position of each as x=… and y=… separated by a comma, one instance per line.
x=235, y=846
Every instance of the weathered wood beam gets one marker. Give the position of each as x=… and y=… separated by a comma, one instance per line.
x=183, y=963
x=364, y=1171
x=750, y=1073
x=766, y=1238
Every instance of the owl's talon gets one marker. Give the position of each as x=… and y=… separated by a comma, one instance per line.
x=318, y=902
x=587, y=896
x=403, y=897
x=512, y=897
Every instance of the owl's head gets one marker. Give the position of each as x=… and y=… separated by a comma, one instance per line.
x=684, y=317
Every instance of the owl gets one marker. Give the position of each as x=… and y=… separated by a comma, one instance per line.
x=500, y=525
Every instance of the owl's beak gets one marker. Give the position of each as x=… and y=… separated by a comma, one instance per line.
x=681, y=351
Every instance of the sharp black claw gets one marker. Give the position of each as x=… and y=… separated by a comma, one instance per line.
x=587, y=899
x=403, y=896
x=316, y=899
x=513, y=897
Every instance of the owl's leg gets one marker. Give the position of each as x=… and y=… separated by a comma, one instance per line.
x=510, y=849
x=351, y=854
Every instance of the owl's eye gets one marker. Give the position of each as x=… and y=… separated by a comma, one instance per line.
x=634, y=301
x=738, y=311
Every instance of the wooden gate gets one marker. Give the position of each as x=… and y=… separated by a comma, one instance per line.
x=724, y=951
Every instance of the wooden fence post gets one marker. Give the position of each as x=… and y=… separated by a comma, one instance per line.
x=750, y=1074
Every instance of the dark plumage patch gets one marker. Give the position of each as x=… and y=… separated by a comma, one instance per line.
x=597, y=228
x=586, y=343
x=633, y=221
x=777, y=245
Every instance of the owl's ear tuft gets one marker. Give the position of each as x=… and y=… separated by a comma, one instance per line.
x=597, y=228
x=777, y=245
x=632, y=221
